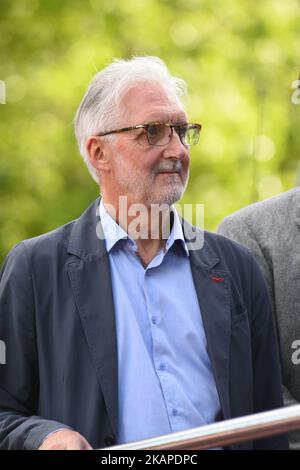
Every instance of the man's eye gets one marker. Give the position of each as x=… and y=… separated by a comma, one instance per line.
x=141, y=134
x=153, y=130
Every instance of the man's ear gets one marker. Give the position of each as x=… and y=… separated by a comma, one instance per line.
x=97, y=153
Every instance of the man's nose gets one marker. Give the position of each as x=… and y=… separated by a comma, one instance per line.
x=175, y=148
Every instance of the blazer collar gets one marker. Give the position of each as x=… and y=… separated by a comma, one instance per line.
x=201, y=254
x=86, y=238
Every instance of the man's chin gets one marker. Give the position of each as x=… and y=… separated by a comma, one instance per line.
x=168, y=198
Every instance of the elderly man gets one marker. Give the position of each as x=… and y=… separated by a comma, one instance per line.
x=117, y=330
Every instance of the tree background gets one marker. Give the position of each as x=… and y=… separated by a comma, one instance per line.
x=239, y=58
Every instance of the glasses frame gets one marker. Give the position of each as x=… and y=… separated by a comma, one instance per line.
x=177, y=128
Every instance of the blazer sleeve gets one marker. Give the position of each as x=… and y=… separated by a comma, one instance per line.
x=20, y=427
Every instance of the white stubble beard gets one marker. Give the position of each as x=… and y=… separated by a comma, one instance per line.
x=137, y=184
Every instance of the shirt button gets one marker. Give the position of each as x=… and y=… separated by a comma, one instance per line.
x=174, y=412
x=154, y=320
x=162, y=366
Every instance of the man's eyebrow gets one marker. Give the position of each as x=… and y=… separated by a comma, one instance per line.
x=167, y=119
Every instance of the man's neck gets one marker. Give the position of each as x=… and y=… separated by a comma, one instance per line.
x=149, y=228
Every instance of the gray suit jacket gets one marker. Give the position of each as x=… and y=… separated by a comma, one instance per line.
x=271, y=230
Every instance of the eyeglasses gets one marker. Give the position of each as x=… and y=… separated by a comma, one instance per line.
x=160, y=133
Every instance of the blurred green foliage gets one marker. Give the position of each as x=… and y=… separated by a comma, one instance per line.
x=239, y=58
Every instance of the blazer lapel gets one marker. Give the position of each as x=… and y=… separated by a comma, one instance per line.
x=90, y=278
x=213, y=292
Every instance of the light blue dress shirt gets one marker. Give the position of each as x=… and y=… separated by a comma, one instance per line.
x=165, y=379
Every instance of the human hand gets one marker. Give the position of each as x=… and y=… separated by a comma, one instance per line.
x=65, y=439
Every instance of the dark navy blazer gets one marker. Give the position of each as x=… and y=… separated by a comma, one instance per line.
x=57, y=321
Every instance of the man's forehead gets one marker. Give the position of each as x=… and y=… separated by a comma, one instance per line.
x=152, y=102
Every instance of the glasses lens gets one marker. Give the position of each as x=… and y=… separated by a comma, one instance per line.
x=189, y=134
x=159, y=134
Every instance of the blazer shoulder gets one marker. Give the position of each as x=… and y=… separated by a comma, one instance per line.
x=45, y=247
x=54, y=237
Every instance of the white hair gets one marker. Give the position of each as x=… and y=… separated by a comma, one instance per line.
x=99, y=108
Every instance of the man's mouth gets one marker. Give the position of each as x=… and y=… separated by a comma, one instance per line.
x=168, y=172
x=175, y=168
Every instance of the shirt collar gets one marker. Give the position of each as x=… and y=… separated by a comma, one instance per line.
x=176, y=233
x=113, y=232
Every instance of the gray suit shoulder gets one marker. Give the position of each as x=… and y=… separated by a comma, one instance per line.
x=277, y=209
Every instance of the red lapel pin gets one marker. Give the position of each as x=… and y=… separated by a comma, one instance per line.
x=217, y=278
